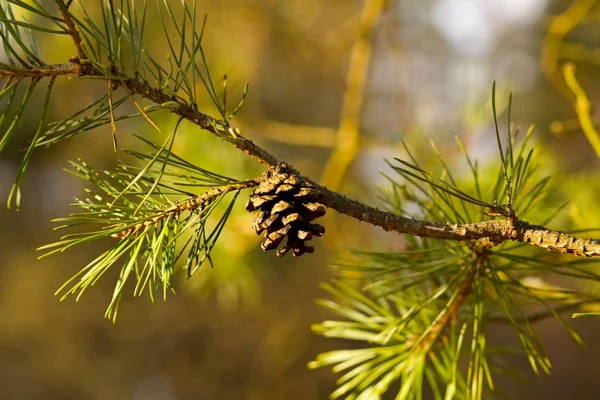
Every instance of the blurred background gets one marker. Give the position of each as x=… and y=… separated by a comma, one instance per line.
x=335, y=86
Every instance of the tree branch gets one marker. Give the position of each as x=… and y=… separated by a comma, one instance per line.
x=133, y=85
x=541, y=315
x=506, y=228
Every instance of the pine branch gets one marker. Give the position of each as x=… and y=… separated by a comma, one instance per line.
x=541, y=315
x=506, y=228
x=149, y=230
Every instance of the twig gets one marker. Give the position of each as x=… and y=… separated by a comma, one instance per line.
x=135, y=86
x=583, y=107
x=480, y=251
x=309, y=136
x=198, y=202
x=538, y=316
x=439, y=326
x=72, y=29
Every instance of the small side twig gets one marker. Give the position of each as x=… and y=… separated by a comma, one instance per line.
x=541, y=315
x=198, y=202
x=480, y=249
x=63, y=6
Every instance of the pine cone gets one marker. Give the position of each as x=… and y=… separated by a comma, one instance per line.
x=286, y=206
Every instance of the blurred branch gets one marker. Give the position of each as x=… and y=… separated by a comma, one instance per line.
x=347, y=140
x=579, y=53
x=559, y=27
x=293, y=134
x=348, y=135
x=559, y=128
x=541, y=315
x=583, y=107
x=309, y=136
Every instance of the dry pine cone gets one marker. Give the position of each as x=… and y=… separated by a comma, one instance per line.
x=286, y=206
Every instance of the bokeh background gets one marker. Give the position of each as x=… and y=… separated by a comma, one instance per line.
x=242, y=329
